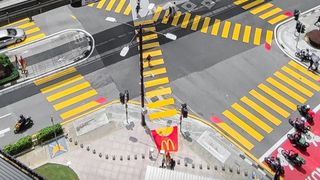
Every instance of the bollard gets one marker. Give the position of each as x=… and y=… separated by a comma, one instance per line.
x=215, y=167
x=185, y=164
x=100, y=154
x=208, y=167
x=238, y=170
x=75, y=142
x=245, y=173
x=94, y=151
x=178, y=161
x=81, y=145
x=253, y=175
x=230, y=169
x=223, y=168
x=121, y=158
x=128, y=157
x=88, y=148
x=107, y=156
x=135, y=157
x=200, y=166
x=192, y=166
x=113, y=157
x=70, y=139
x=142, y=156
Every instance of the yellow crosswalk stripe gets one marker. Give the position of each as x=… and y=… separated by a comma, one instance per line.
x=78, y=110
x=151, y=53
x=238, y=2
x=16, y=22
x=236, y=31
x=277, y=19
x=226, y=28
x=91, y=4
x=26, y=25
x=148, y=37
x=257, y=35
x=153, y=63
x=158, y=92
x=29, y=39
x=165, y=18
x=33, y=30
x=277, y=96
x=269, y=37
x=261, y=111
x=156, y=82
x=161, y=103
x=185, y=20
x=261, y=8
x=155, y=72
x=148, y=29
x=256, y=135
x=100, y=4
x=157, y=14
x=120, y=6
x=293, y=84
x=304, y=70
x=286, y=90
x=195, y=22
x=252, y=4
x=162, y=114
x=235, y=135
x=300, y=78
x=54, y=76
x=246, y=35
x=205, y=25
x=270, y=13
x=176, y=18
x=74, y=100
x=269, y=103
x=254, y=119
x=127, y=10
x=144, y=22
x=110, y=4
x=68, y=91
x=150, y=45
x=61, y=84
x=215, y=27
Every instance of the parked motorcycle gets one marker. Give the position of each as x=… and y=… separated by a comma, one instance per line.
x=303, y=129
x=294, y=158
x=274, y=164
x=303, y=55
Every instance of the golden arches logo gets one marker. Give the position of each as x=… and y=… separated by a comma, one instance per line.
x=167, y=143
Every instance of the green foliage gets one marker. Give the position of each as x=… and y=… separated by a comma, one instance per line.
x=21, y=145
x=48, y=133
x=4, y=60
x=8, y=72
x=52, y=171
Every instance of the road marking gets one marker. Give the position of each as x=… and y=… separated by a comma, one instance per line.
x=120, y=6
x=151, y=53
x=54, y=76
x=68, y=91
x=33, y=30
x=100, y=4
x=185, y=20
x=176, y=18
x=269, y=37
x=148, y=37
x=74, y=100
x=215, y=27
x=149, y=29
x=2, y=132
x=238, y=2
x=158, y=92
x=110, y=4
x=144, y=22
x=150, y=45
x=16, y=22
x=79, y=110
x=226, y=28
x=252, y=4
x=236, y=31
x=91, y=4
x=161, y=103
x=61, y=84
x=128, y=10
x=162, y=114
x=6, y=115
x=278, y=19
x=157, y=14
x=165, y=18
x=205, y=25
x=28, y=39
x=304, y=70
x=261, y=8
x=257, y=36
x=153, y=63
x=155, y=72
x=270, y=13
x=246, y=35
x=195, y=22
x=26, y=25
x=156, y=82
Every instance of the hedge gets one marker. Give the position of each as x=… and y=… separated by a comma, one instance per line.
x=21, y=145
x=48, y=133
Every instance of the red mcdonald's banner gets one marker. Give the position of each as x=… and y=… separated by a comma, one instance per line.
x=166, y=138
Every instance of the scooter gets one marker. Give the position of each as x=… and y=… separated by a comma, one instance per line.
x=296, y=161
x=302, y=143
x=22, y=125
x=305, y=114
x=303, y=56
x=305, y=128
x=274, y=164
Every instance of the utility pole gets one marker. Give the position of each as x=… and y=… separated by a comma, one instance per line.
x=55, y=135
x=143, y=121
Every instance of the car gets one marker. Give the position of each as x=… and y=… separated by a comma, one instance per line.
x=10, y=36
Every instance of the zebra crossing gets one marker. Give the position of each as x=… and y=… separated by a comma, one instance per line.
x=257, y=114
x=121, y=6
x=69, y=93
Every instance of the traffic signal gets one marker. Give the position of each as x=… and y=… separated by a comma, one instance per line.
x=184, y=110
x=296, y=14
x=122, y=98
x=126, y=93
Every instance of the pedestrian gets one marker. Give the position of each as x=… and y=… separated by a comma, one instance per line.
x=149, y=60
x=170, y=12
x=172, y=163
x=138, y=7
x=317, y=22
x=23, y=66
x=16, y=61
x=162, y=163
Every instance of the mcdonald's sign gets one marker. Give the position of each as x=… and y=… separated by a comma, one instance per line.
x=167, y=145
x=166, y=138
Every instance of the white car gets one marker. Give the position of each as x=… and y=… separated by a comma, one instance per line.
x=10, y=36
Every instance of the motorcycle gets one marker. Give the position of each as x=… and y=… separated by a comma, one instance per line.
x=305, y=129
x=301, y=143
x=23, y=124
x=305, y=114
x=274, y=164
x=297, y=161
x=303, y=56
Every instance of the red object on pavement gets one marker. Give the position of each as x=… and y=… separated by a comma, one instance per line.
x=288, y=13
x=267, y=46
x=166, y=138
x=215, y=120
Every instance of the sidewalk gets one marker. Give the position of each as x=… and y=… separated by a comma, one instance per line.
x=288, y=43
x=124, y=149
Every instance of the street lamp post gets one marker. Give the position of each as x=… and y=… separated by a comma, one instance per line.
x=55, y=135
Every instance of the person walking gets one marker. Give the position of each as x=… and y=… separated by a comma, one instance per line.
x=149, y=60
x=138, y=7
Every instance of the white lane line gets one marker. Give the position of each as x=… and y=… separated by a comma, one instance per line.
x=4, y=131
x=5, y=115
x=317, y=108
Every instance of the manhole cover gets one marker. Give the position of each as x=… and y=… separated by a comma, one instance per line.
x=188, y=6
x=208, y=3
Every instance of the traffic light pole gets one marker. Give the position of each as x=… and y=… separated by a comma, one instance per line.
x=143, y=121
x=298, y=36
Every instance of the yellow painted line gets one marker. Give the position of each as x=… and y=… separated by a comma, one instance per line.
x=257, y=36
x=254, y=119
x=195, y=23
x=205, y=25
x=238, y=2
x=246, y=35
x=79, y=110
x=235, y=135
x=304, y=70
x=61, y=84
x=33, y=30
x=293, y=84
x=74, y=100
x=215, y=27
x=148, y=37
x=176, y=18
x=269, y=37
x=29, y=39
x=152, y=53
x=100, y=4
x=269, y=103
x=261, y=111
x=156, y=82
x=226, y=28
x=148, y=29
x=236, y=31
x=153, y=63
x=150, y=45
x=162, y=114
x=145, y=22
x=127, y=10
x=120, y=6
x=286, y=90
x=68, y=91
x=158, y=92
x=155, y=72
x=248, y=129
x=270, y=13
x=165, y=18
x=185, y=20
x=26, y=25
x=157, y=14
x=278, y=19
x=110, y=4
x=91, y=5
x=300, y=78
x=16, y=22
x=252, y=4
x=277, y=96
x=161, y=103
x=54, y=76
x=261, y=8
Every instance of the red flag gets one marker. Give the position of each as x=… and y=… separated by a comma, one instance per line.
x=166, y=138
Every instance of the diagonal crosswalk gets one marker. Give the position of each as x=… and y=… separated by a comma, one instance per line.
x=117, y=6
